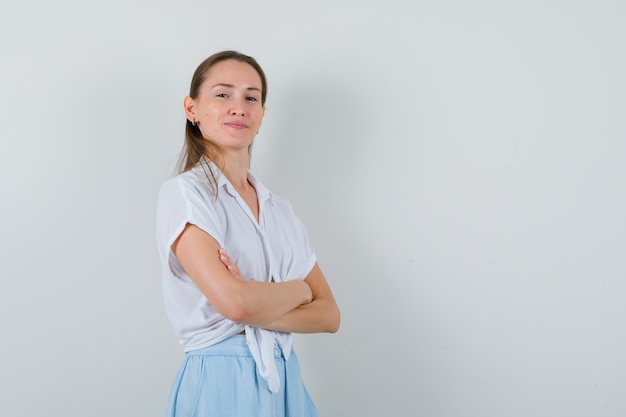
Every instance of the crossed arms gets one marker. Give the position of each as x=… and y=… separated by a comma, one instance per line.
x=297, y=306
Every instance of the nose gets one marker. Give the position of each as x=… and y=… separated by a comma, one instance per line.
x=237, y=109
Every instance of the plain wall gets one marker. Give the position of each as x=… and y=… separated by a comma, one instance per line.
x=460, y=167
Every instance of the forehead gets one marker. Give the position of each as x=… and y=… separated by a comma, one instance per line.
x=233, y=72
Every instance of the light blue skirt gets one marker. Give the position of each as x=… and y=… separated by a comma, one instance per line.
x=222, y=381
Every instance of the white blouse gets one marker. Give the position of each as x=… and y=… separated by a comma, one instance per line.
x=275, y=247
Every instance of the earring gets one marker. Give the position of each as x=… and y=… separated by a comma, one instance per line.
x=193, y=122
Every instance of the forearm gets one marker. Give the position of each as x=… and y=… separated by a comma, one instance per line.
x=236, y=299
x=318, y=316
x=264, y=302
x=278, y=311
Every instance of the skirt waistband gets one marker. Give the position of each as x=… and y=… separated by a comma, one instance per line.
x=235, y=345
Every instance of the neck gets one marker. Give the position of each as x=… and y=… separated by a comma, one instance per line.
x=235, y=167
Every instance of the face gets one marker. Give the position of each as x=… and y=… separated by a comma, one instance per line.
x=228, y=110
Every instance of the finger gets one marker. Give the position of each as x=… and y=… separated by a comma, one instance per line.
x=224, y=257
x=228, y=263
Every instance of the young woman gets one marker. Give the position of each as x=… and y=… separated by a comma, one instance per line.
x=239, y=274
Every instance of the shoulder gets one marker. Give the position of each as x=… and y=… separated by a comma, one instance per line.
x=188, y=198
x=188, y=183
x=189, y=179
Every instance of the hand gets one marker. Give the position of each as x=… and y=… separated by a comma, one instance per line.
x=230, y=265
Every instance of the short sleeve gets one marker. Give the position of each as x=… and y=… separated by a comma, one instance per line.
x=183, y=201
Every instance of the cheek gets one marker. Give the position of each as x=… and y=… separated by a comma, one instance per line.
x=211, y=108
x=258, y=115
x=211, y=114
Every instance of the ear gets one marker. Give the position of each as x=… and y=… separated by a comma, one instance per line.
x=189, y=106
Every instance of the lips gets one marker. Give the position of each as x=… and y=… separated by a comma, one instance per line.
x=236, y=125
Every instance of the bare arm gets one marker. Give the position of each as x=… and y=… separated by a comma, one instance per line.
x=320, y=315
x=249, y=302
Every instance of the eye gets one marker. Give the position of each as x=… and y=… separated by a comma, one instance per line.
x=250, y=98
x=222, y=95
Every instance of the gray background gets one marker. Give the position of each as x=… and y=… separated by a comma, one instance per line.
x=460, y=167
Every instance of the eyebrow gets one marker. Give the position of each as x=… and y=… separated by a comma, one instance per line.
x=232, y=86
